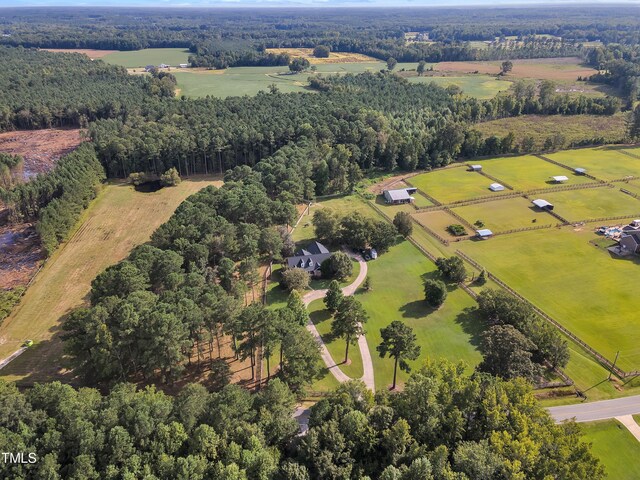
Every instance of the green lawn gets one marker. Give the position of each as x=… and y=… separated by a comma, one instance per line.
x=527, y=172
x=453, y=184
x=478, y=86
x=506, y=214
x=616, y=447
x=322, y=319
x=451, y=332
x=605, y=163
x=148, y=56
x=581, y=286
x=592, y=203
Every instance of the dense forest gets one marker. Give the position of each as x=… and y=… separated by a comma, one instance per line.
x=443, y=425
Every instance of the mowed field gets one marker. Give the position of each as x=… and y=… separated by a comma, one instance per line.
x=616, y=447
x=477, y=86
x=148, y=56
x=566, y=68
x=585, y=288
x=454, y=184
x=593, y=203
x=506, y=214
x=118, y=220
x=528, y=172
x=334, y=57
x=89, y=52
x=572, y=127
x=605, y=163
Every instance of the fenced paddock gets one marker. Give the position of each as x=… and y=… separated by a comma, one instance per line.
x=605, y=163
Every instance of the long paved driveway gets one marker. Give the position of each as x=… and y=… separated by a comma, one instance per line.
x=605, y=409
x=367, y=364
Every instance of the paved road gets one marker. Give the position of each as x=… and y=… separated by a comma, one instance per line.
x=11, y=357
x=367, y=364
x=589, y=412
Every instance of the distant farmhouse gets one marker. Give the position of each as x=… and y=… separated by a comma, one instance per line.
x=629, y=240
x=310, y=259
x=399, y=196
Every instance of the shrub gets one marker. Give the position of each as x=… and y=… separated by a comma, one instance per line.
x=137, y=178
x=295, y=279
x=456, y=230
x=170, y=178
x=404, y=225
x=435, y=292
x=338, y=266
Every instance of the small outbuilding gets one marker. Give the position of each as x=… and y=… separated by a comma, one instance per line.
x=484, y=233
x=560, y=178
x=496, y=187
x=580, y=171
x=543, y=204
x=184, y=65
x=399, y=196
x=475, y=168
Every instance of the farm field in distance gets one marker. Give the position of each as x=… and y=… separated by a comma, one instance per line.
x=103, y=238
x=148, y=56
x=334, y=57
x=477, y=86
x=573, y=127
x=604, y=163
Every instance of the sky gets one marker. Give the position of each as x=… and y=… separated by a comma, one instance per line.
x=297, y=3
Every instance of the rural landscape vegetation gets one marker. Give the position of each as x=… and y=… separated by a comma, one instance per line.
x=320, y=244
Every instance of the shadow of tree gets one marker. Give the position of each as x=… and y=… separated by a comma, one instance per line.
x=472, y=325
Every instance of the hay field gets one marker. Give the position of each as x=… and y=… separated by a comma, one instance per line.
x=592, y=203
x=565, y=68
x=507, y=214
x=477, y=86
x=118, y=220
x=334, y=57
x=605, y=163
x=454, y=184
x=148, y=56
x=89, y=52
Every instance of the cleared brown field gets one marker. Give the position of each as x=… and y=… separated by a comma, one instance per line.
x=40, y=149
x=565, y=68
x=574, y=127
x=118, y=220
x=92, y=54
x=334, y=57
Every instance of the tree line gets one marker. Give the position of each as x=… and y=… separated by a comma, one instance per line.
x=443, y=425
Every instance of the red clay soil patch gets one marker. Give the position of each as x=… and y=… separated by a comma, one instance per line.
x=39, y=148
x=92, y=54
x=565, y=68
x=20, y=255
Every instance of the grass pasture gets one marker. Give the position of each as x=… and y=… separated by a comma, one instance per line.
x=453, y=184
x=616, y=447
x=583, y=287
x=605, y=163
x=148, y=56
x=573, y=127
x=451, y=332
x=527, y=172
x=592, y=203
x=438, y=221
x=565, y=68
x=118, y=220
x=507, y=214
x=477, y=86
x=334, y=57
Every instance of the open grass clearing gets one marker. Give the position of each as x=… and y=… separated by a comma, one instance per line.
x=564, y=68
x=118, y=220
x=616, y=447
x=334, y=57
x=322, y=319
x=505, y=214
x=148, y=56
x=453, y=184
x=477, y=86
x=528, y=172
x=633, y=186
x=605, y=163
x=397, y=293
x=584, y=288
x=592, y=203
x=89, y=52
x=438, y=221
x=573, y=127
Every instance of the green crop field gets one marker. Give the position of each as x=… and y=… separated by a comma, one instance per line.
x=583, y=287
x=616, y=447
x=478, y=86
x=506, y=214
x=148, y=56
x=527, y=172
x=605, y=163
x=592, y=203
x=453, y=184
x=451, y=332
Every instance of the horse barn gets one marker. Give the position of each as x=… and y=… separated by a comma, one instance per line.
x=399, y=196
x=543, y=204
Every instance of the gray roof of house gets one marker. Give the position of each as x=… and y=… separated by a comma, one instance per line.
x=309, y=258
x=314, y=248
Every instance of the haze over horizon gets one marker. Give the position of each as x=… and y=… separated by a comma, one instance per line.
x=298, y=3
